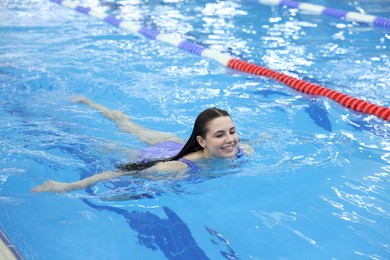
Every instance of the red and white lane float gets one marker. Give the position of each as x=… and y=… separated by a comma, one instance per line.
x=350, y=102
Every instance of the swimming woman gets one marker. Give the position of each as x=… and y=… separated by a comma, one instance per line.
x=214, y=136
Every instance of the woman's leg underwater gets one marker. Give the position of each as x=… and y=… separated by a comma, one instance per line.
x=126, y=125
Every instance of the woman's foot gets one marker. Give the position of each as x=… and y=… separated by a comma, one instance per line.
x=80, y=99
x=115, y=115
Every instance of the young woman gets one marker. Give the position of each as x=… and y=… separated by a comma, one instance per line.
x=214, y=136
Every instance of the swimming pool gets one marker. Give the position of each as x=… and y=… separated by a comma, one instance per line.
x=317, y=185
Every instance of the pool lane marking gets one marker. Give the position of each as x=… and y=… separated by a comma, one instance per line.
x=372, y=20
x=7, y=249
x=345, y=100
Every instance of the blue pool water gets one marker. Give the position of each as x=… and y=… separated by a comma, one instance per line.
x=316, y=186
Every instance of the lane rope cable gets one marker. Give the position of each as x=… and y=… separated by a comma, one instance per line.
x=345, y=100
x=372, y=20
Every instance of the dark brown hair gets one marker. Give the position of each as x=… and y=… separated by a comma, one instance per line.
x=192, y=145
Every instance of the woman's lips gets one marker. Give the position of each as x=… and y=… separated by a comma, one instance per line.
x=229, y=149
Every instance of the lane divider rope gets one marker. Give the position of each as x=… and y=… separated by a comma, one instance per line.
x=347, y=101
x=374, y=21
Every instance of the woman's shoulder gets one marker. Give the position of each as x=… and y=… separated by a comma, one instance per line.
x=176, y=166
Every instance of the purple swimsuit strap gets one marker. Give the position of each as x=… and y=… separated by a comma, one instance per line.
x=188, y=162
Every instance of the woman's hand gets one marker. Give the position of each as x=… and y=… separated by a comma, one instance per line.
x=52, y=186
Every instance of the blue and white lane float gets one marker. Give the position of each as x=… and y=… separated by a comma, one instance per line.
x=350, y=102
x=374, y=21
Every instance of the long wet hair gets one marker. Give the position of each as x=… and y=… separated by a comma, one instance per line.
x=192, y=145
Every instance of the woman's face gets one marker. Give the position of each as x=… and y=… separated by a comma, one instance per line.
x=221, y=139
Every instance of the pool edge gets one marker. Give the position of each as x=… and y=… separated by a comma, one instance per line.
x=7, y=249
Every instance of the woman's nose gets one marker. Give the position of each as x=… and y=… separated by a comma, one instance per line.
x=230, y=139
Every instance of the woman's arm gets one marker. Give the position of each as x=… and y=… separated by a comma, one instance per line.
x=246, y=148
x=55, y=186
x=126, y=125
x=173, y=170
